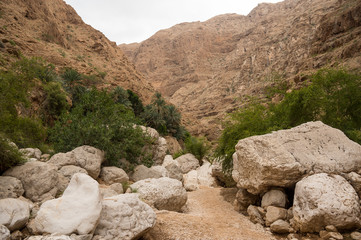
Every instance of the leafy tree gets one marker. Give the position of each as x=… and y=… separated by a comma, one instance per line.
x=163, y=117
x=137, y=104
x=121, y=96
x=55, y=102
x=98, y=121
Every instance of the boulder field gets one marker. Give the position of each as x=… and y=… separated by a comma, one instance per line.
x=305, y=180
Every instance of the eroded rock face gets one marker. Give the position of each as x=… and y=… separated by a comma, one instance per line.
x=187, y=162
x=10, y=187
x=14, y=213
x=110, y=175
x=282, y=158
x=39, y=179
x=163, y=193
x=322, y=200
x=124, y=217
x=86, y=157
x=77, y=211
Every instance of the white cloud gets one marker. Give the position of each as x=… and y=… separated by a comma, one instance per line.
x=136, y=20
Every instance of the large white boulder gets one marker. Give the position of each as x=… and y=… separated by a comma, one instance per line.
x=39, y=179
x=110, y=175
x=284, y=157
x=14, y=213
x=204, y=175
x=86, y=157
x=77, y=211
x=31, y=152
x=322, y=200
x=190, y=181
x=187, y=163
x=124, y=217
x=163, y=193
x=10, y=187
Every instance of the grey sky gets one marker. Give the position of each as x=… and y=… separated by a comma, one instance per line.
x=126, y=21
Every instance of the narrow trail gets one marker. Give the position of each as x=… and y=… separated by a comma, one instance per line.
x=209, y=217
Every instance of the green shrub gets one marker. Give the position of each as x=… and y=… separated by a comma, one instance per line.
x=198, y=146
x=34, y=68
x=333, y=97
x=9, y=155
x=98, y=121
x=70, y=77
x=55, y=102
x=121, y=96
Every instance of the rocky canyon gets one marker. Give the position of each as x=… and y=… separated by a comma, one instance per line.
x=207, y=68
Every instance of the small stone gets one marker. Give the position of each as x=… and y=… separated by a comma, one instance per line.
x=254, y=215
x=275, y=198
x=280, y=226
x=330, y=235
x=331, y=228
x=275, y=213
x=356, y=236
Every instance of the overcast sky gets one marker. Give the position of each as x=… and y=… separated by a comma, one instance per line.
x=127, y=21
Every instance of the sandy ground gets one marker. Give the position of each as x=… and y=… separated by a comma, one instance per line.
x=208, y=217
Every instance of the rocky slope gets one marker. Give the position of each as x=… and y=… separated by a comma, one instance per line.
x=52, y=30
x=205, y=68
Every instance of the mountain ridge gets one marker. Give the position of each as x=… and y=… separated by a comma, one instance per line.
x=204, y=68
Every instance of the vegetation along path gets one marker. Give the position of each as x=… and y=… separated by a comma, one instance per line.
x=208, y=217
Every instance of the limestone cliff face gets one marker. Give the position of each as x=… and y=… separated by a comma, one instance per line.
x=204, y=68
x=52, y=30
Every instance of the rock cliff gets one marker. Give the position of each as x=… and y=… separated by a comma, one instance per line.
x=205, y=68
x=52, y=30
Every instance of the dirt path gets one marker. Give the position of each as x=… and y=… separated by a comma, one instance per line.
x=209, y=217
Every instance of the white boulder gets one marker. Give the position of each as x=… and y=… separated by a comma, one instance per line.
x=190, y=181
x=110, y=175
x=142, y=172
x=204, y=175
x=14, y=213
x=86, y=157
x=284, y=157
x=322, y=200
x=160, y=151
x=39, y=179
x=77, y=211
x=187, y=163
x=163, y=193
x=10, y=187
x=124, y=217
x=275, y=197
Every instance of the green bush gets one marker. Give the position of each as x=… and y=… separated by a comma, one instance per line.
x=98, y=121
x=14, y=88
x=333, y=96
x=9, y=155
x=34, y=68
x=121, y=96
x=55, y=103
x=198, y=146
